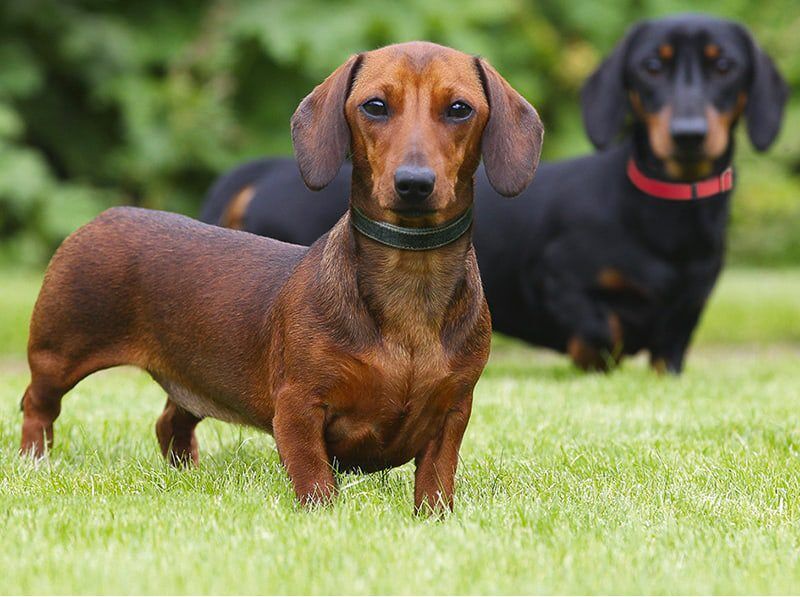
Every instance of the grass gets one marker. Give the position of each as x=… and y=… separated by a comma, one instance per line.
x=569, y=483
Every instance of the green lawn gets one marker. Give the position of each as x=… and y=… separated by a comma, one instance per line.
x=619, y=483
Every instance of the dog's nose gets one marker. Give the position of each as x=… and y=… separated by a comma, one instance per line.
x=688, y=133
x=413, y=183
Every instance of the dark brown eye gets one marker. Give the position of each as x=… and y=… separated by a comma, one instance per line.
x=375, y=108
x=653, y=65
x=723, y=65
x=459, y=111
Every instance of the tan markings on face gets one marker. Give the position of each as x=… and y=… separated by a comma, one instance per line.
x=233, y=217
x=662, y=146
x=418, y=86
x=657, y=124
x=666, y=52
x=719, y=127
x=711, y=51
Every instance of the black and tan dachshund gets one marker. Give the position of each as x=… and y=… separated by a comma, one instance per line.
x=608, y=254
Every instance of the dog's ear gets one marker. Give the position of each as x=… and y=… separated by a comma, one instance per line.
x=320, y=134
x=766, y=97
x=604, y=101
x=512, y=138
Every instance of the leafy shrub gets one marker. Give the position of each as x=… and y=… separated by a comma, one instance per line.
x=106, y=102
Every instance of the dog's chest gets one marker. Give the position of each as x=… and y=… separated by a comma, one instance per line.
x=386, y=415
x=684, y=231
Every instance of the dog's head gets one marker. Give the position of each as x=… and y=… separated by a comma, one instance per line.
x=417, y=117
x=686, y=80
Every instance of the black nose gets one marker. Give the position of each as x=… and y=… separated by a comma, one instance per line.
x=688, y=133
x=414, y=184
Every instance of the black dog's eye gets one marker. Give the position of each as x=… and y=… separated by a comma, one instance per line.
x=653, y=65
x=459, y=111
x=723, y=65
x=375, y=108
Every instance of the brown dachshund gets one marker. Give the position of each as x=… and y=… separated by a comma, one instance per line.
x=361, y=351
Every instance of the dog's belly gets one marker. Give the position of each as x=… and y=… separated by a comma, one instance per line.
x=199, y=405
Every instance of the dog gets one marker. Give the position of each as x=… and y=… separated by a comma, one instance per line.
x=360, y=352
x=604, y=255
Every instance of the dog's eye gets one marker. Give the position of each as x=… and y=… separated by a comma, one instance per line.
x=723, y=65
x=459, y=111
x=653, y=65
x=375, y=108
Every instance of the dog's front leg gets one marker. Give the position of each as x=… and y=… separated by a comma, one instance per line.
x=678, y=319
x=673, y=333
x=436, y=465
x=299, y=430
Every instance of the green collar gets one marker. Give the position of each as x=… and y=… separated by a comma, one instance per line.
x=411, y=239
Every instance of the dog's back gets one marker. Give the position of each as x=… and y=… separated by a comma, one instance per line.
x=218, y=199
x=104, y=267
x=274, y=201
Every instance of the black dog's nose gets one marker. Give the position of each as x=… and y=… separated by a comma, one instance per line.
x=688, y=133
x=414, y=184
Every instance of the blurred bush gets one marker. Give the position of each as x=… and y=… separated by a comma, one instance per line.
x=108, y=102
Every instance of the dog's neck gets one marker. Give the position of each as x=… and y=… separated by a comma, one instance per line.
x=407, y=293
x=657, y=168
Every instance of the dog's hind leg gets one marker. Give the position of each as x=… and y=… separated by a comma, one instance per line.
x=41, y=405
x=51, y=378
x=53, y=374
x=592, y=334
x=175, y=432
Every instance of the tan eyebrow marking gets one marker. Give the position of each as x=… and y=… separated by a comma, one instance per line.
x=666, y=51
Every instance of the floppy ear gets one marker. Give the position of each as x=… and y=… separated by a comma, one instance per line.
x=320, y=134
x=766, y=98
x=512, y=138
x=604, y=102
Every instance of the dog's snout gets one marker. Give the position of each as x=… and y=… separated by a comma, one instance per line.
x=414, y=183
x=689, y=133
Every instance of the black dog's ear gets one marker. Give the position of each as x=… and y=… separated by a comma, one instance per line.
x=320, y=134
x=766, y=98
x=512, y=139
x=604, y=101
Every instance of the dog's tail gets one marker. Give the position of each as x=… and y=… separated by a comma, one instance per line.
x=229, y=185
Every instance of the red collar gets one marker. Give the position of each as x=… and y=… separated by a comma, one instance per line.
x=680, y=191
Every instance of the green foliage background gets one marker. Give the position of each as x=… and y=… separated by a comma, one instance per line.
x=106, y=102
